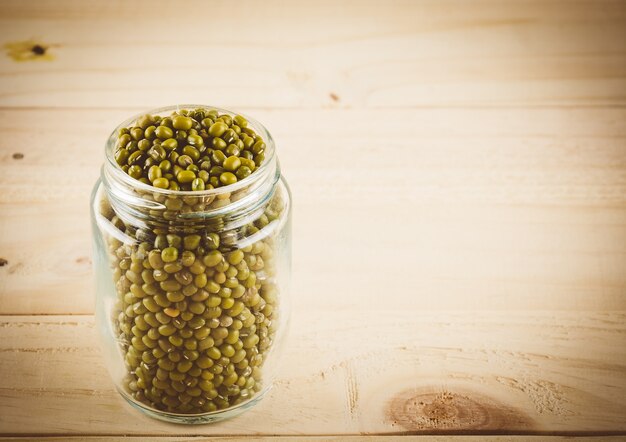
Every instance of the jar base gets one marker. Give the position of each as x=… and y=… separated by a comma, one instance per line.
x=195, y=419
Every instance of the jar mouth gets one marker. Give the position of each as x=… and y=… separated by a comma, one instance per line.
x=259, y=174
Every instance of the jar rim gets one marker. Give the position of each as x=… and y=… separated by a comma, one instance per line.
x=263, y=170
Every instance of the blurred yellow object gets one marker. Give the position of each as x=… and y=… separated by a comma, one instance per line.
x=28, y=50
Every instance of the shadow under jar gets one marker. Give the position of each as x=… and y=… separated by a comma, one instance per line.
x=192, y=286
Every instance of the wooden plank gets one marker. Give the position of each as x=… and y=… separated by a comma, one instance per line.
x=321, y=54
x=352, y=372
x=553, y=157
x=460, y=258
x=466, y=209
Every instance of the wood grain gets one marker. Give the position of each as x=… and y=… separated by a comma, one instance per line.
x=473, y=372
x=459, y=178
x=317, y=54
x=452, y=209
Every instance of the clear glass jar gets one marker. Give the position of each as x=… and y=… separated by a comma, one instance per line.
x=195, y=339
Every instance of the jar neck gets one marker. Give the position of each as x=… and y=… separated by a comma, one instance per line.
x=226, y=207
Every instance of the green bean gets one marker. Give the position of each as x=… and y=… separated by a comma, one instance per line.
x=240, y=121
x=162, y=183
x=121, y=156
x=195, y=140
x=191, y=152
x=154, y=172
x=169, y=254
x=134, y=171
x=235, y=257
x=243, y=172
x=232, y=163
x=227, y=178
x=184, y=161
x=185, y=176
x=180, y=122
x=169, y=144
x=217, y=129
x=197, y=184
x=232, y=150
x=136, y=133
x=163, y=132
x=149, y=132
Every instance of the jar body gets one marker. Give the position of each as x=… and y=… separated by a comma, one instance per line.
x=192, y=294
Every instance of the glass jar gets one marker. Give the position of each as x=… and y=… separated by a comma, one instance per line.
x=192, y=335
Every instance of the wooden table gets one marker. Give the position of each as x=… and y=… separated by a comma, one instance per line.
x=459, y=177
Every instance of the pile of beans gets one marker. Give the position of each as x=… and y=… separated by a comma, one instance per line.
x=191, y=150
x=196, y=315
